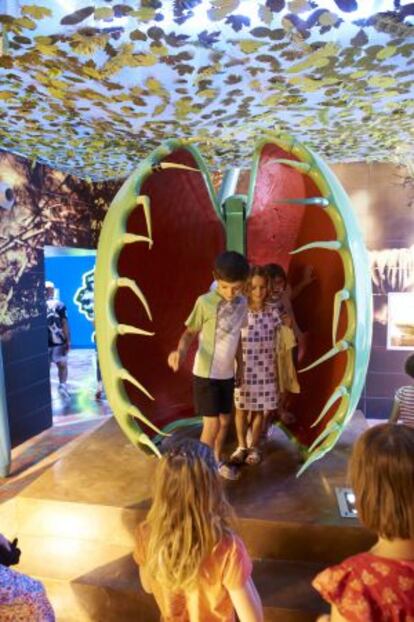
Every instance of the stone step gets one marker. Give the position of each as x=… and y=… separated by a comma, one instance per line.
x=307, y=542
x=102, y=488
x=79, y=601
x=111, y=590
x=75, y=525
x=111, y=525
x=286, y=590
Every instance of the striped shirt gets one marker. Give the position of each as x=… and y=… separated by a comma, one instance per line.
x=405, y=399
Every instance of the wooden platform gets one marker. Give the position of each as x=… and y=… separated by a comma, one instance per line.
x=75, y=525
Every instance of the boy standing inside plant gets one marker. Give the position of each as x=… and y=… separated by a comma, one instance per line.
x=217, y=318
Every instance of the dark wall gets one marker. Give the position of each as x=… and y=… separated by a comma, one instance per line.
x=50, y=208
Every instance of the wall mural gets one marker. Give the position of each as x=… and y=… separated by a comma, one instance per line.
x=49, y=207
x=393, y=267
x=392, y=273
x=93, y=89
x=68, y=269
x=400, y=333
x=84, y=295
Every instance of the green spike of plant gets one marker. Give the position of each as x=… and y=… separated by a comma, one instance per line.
x=125, y=375
x=339, y=393
x=128, y=329
x=341, y=346
x=317, y=201
x=125, y=282
x=334, y=426
x=339, y=298
x=132, y=238
x=331, y=245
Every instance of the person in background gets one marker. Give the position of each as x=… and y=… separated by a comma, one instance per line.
x=378, y=586
x=99, y=383
x=217, y=318
x=285, y=345
x=58, y=336
x=281, y=294
x=21, y=597
x=308, y=277
x=188, y=554
x=403, y=407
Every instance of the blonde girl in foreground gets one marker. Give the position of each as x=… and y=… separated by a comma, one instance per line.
x=188, y=555
x=378, y=586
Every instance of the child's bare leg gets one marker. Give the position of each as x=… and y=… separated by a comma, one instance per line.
x=285, y=416
x=254, y=455
x=223, y=426
x=256, y=428
x=242, y=422
x=62, y=371
x=210, y=431
x=241, y=427
x=281, y=405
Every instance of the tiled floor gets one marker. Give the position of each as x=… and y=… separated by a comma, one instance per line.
x=73, y=417
x=81, y=403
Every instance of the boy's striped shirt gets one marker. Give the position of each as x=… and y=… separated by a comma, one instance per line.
x=405, y=399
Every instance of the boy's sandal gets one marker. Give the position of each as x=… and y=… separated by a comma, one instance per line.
x=228, y=471
x=254, y=456
x=239, y=455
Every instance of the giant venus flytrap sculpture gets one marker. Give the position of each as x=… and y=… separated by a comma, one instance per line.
x=155, y=254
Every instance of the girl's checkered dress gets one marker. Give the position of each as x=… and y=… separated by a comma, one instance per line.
x=258, y=390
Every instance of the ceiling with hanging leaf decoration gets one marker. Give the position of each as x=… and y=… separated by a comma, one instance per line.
x=92, y=88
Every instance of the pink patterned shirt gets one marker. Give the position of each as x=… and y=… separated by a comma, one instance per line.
x=369, y=588
x=22, y=598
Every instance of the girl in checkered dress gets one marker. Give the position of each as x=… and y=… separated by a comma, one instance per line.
x=257, y=391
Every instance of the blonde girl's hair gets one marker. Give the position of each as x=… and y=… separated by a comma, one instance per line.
x=381, y=471
x=257, y=271
x=189, y=514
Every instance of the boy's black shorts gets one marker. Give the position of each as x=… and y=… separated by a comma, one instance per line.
x=213, y=397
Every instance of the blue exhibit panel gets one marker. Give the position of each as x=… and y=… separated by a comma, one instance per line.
x=73, y=276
